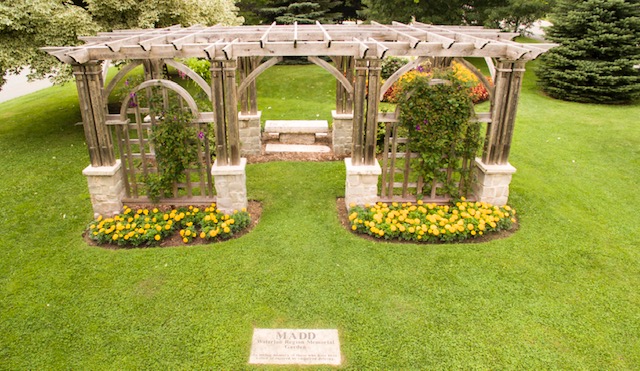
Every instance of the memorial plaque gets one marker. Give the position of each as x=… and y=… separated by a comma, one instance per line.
x=295, y=347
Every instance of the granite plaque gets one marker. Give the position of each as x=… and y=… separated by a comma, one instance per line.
x=295, y=347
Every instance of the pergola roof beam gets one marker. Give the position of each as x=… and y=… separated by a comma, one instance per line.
x=416, y=39
x=265, y=37
x=210, y=50
x=190, y=38
x=430, y=36
x=327, y=37
x=479, y=42
x=362, y=48
x=413, y=41
x=117, y=44
x=381, y=49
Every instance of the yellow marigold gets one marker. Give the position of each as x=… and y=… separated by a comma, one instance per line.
x=203, y=235
x=157, y=237
x=185, y=240
x=212, y=233
x=353, y=227
x=470, y=226
x=227, y=230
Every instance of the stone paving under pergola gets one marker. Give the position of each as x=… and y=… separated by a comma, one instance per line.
x=239, y=54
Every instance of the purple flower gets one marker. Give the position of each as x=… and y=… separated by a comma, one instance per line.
x=201, y=135
x=126, y=82
x=426, y=121
x=418, y=127
x=420, y=69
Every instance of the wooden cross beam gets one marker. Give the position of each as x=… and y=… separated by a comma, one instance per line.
x=447, y=42
x=327, y=37
x=413, y=41
x=265, y=36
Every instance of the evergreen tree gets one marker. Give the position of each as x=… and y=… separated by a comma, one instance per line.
x=303, y=12
x=599, y=46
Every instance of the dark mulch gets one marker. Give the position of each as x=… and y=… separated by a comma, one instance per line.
x=343, y=216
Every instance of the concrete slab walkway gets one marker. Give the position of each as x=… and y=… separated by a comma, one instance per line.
x=18, y=85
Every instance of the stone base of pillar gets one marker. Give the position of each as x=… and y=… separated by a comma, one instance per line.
x=250, y=134
x=231, y=186
x=492, y=184
x=361, y=187
x=106, y=187
x=342, y=133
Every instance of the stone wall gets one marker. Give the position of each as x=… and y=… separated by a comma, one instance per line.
x=342, y=133
x=250, y=134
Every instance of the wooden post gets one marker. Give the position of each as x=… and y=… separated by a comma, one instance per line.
x=504, y=106
x=217, y=87
x=511, y=109
x=244, y=68
x=359, y=100
x=231, y=110
x=338, y=61
x=372, y=111
x=89, y=84
x=253, y=91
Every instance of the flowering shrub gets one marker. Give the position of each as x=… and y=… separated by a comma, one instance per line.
x=478, y=92
x=430, y=222
x=150, y=227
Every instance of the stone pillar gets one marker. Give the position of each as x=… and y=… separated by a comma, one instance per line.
x=492, y=184
x=106, y=187
x=231, y=185
x=250, y=134
x=342, y=133
x=361, y=186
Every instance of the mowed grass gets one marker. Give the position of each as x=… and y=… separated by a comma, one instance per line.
x=560, y=293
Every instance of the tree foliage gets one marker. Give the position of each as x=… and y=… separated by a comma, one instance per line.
x=597, y=53
x=289, y=11
x=27, y=25
x=518, y=15
x=509, y=13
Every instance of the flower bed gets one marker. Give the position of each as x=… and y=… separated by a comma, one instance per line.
x=422, y=222
x=145, y=227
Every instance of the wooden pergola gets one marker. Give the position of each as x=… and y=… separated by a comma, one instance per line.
x=243, y=52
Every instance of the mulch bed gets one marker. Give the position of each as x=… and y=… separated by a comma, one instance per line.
x=343, y=216
x=254, y=208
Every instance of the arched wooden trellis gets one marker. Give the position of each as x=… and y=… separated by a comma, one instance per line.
x=356, y=50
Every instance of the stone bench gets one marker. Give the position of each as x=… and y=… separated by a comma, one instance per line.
x=296, y=131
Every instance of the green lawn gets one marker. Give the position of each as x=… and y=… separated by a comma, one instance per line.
x=561, y=293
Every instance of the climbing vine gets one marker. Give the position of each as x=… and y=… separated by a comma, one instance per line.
x=435, y=109
x=176, y=148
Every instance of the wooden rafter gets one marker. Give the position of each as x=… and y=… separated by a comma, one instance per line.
x=415, y=39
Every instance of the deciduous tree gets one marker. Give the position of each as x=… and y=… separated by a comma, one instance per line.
x=27, y=25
